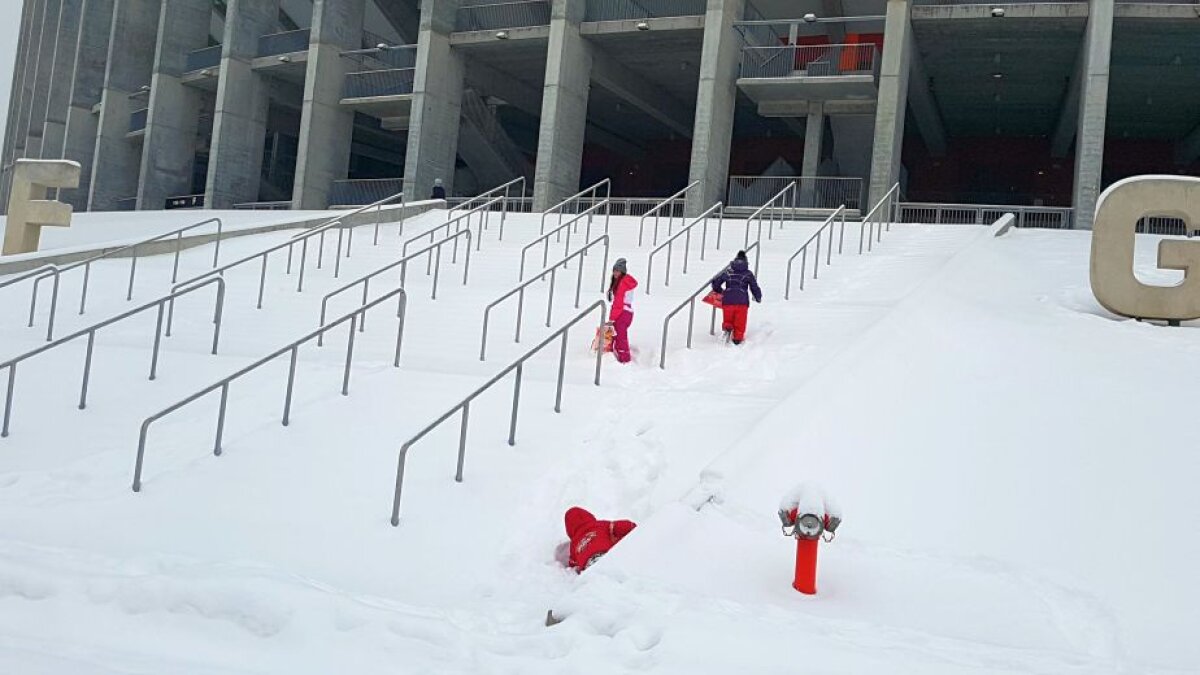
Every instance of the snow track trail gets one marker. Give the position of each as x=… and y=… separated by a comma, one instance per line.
x=278, y=555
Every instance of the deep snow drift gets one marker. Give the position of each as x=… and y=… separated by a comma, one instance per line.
x=1016, y=496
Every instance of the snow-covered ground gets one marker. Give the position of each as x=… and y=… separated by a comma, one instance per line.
x=1013, y=463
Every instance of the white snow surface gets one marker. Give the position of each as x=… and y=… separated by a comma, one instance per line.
x=1016, y=465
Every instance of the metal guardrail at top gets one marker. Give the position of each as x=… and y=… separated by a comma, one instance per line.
x=690, y=303
x=552, y=270
x=877, y=219
x=488, y=196
x=263, y=206
x=90, y=332
x=402, y=263
x=809, y=61
x=802, y=252
x=287, y=42
x=483, y=211
x=351, y=193
x=719, y=210
x=293, y=347
x=465, y=404
x=1049, y=217
x=673, y=203
x=774, y=209
x=621, y=10
x=574, y=204
x=814, y=192
x=629, y=206
x=498, y=15
x=1164, y=225
x=570, y=226
x=56, y=272
x=199, y=59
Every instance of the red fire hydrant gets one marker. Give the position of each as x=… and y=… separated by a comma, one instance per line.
x=807, y=514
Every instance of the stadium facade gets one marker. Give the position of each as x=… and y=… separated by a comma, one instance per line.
x=310, y=103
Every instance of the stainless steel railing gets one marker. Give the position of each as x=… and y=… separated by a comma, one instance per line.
x=810, y=61
x=718, y=210
x=569, y=226
x=465, y=405
x=90, y=332
x=878, y=218
x=377, y=205
x=488, y=196
x=293, y=347
x=552, y=270
x=460, y=222
x=1048, y=217
x=574, y=204
x=675, y=202
x=56, y=272
x=802, y=252
x=690, y=303
x=494, y=16
x=402, y=263
x=776, y=209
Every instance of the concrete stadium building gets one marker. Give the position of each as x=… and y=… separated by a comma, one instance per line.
x=311, y=103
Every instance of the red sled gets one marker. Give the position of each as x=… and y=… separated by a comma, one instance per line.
x=713, y=298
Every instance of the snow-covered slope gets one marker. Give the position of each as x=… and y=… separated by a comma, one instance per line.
x=1014, y=499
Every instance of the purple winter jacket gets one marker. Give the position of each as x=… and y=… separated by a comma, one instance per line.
x=733, y=283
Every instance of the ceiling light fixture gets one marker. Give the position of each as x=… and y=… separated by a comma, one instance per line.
x=810, y=18
x=502, y=35
x=642, y=25
x=998, y=12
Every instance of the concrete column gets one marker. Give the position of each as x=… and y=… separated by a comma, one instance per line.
x=715, y=103
x=437, y=103
x=14, y=102
x=41, y=78
x=326, y=128
x=242, y=103
x=55, y=123
x=118, y=159
x=169, y=144
x=1093, y=112
x=564, y=107
x=28, y=73
x=894, y=71
x=814, y=135
x=87, y=85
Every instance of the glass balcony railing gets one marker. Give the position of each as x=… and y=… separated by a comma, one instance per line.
x=387, y=71
x=209, y=57
x=495, y=16
x=284, y=43
x=137, y=120
x=622, y=10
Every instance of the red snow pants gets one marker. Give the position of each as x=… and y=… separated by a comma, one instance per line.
x=735, y=320
x=621, y=339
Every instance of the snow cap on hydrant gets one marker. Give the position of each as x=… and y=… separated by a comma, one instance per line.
x=806, y=513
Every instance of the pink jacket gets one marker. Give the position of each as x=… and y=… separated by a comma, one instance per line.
x=622, y=300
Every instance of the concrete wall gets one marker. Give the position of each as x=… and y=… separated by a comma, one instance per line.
x=437, y=103
x=242, y=104
x=890, y=111
x=326, y=128
x=118, y=159
x=715, y=103
x=87, y=85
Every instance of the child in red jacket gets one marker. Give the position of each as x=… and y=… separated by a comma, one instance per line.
x=620, y=294
x=591, y=538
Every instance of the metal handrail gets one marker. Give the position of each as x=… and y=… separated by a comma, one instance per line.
x=465, y=404
x=293, y=347
x=484, y=215
x=719, y=209
x=544, y=239
x=90, y=332
x=772, y=209
x=56, y=271
x=504, y=210
x=593, y=190
x=690, y=303
x=669, y=201
x=891, y=199
x=803, y=251
x=402, y=263
x=519, y=290
x=378, y=206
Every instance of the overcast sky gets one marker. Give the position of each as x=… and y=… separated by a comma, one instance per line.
x=10, y=28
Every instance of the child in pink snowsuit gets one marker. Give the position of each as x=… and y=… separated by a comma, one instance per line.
x=620, y=294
